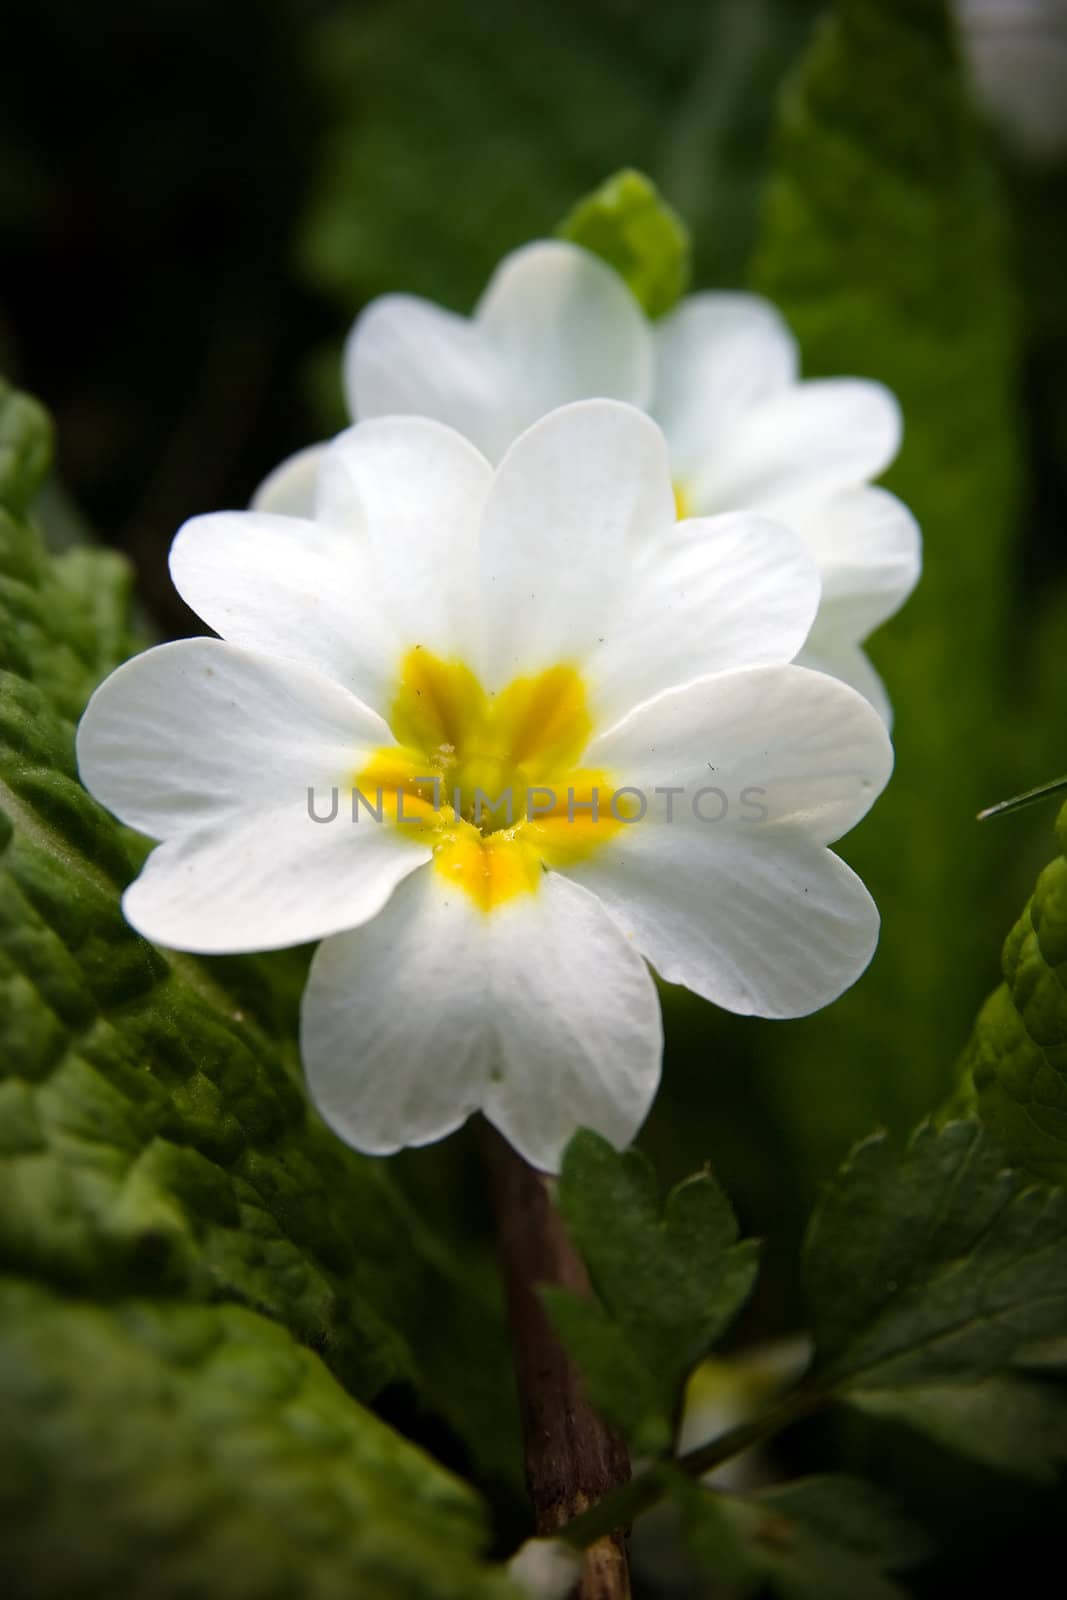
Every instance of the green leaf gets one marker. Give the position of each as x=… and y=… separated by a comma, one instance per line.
x=64, y=621
x=669, y=1280
x=25, y=448
x=1016, y=1061
x=1002, y=1420
x=933, y=1277
x=825, y=1538
x=154, y=1131
x=936, y=1262
x=629, y=225
x=884, y=244
x=619, y=1382
x=154, y=1448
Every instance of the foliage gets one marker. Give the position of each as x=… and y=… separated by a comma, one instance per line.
x=936, y=1287
x=669, y=1280
x=830, y=1538
x=154, y=1137
x=936, y=1266
x=627, y=224
x=1016, y=1062
x=265, y=1479
x=884, y=243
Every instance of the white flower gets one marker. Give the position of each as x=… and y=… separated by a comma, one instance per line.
x=719, y=374
x=1017, y=54
x=439, y=628
x=546, y=1569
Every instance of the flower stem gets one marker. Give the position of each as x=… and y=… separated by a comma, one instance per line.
x=573, y=1459
x=643, y=1492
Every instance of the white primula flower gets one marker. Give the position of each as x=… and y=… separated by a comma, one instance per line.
x=719, y=374
x=546, y=1569
x=441, y=635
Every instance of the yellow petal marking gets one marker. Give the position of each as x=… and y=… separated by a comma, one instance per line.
x=460, y=748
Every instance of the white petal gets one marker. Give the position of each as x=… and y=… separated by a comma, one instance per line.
x=198, y=731
x=808, y=440
x=580, y=1034
x=774, y=932
x=289, y=491
x=387, y=565
x=717, y=593
x=850, y=663
x=408, y=357
x=815, y=751
x=554, y=325
x=269, y=880
x=869, y=550
x=395, y=1033
x=292, y=588
x=717, y=357
x=540, y=1014
x=746, y=908
x=214, y=749
x=570, y=328
x=578, y=500
x=418, y=491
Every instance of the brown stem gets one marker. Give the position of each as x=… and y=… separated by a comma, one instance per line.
x=572, y=1458
x=640, y=1494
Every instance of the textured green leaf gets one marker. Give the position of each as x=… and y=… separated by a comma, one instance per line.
x=154, y=1132
x=25, y=448
x=1016, y=1061
x=884, y=245
x=157, y=1451
x=64, y=621
x=826, y=1538
x=629, y=225
x=932, y=1276
x=669, y=1281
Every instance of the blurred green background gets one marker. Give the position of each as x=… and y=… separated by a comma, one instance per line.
x=195, y=200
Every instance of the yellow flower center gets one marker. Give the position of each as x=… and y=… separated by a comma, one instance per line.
x=494, y=782
x=681, y=502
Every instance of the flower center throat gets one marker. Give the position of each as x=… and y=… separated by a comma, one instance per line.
x=493, y=782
